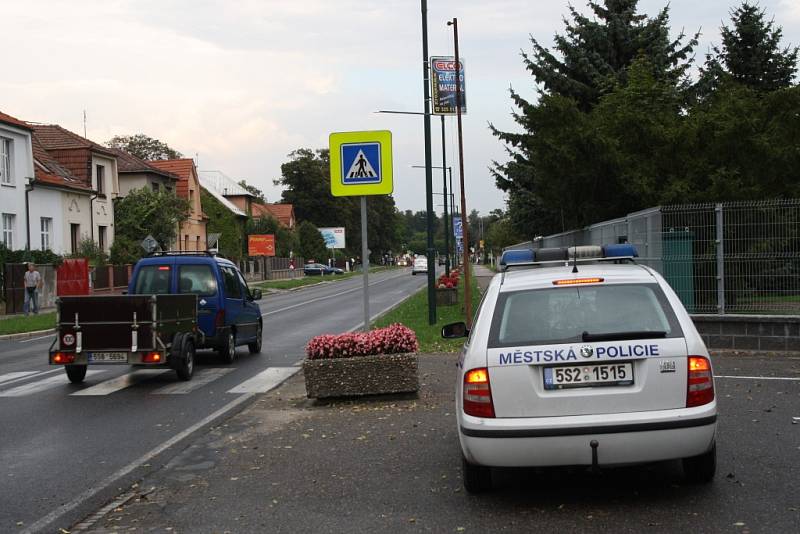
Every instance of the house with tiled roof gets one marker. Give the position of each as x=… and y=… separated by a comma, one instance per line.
x=192, y=232
x=16, y=171
x=136, y=173
x=95, y=167
x=283, y=213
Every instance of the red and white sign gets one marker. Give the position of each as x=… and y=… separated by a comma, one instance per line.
x=261, y=245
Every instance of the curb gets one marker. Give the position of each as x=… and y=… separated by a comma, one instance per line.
x=26, y=335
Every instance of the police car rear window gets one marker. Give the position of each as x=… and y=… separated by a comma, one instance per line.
x=564, y=314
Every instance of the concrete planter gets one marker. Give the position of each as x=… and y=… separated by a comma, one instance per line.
x=446, y=296
x=361, y=375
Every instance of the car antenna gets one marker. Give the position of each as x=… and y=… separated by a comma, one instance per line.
x=574, y=255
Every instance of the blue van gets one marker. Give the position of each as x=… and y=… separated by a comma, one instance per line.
x=227, y=314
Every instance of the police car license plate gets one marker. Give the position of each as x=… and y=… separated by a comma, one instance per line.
x=108, y=357
x=604, y=374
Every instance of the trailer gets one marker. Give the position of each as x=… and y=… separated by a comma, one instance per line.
x=138, y=330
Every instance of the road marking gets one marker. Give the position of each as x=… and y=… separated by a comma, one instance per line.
x=37, y=374
x=265, y=380
x=200, y=379
x=790, y=378
x=120, y=382
x=360, y=288
x=41, y=385
x=16, y=376
x=37, y=338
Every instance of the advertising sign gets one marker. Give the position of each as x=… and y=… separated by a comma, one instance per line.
x=361, y=163
x=443, y=85
x=334, y=237
x=458, y=230
x=261, y=245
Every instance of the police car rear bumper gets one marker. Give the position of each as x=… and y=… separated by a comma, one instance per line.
x=628, y=438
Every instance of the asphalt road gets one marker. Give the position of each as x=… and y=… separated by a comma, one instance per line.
x=67, y=449
x=287, y=464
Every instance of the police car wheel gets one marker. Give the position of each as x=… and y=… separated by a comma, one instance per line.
x=701, y=469
x=75, y=373
x=477, y=478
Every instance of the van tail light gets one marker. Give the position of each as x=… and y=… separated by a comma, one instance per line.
x=63, y=357
x=219, y=320
x=152, y=357
x=478, y=393
x=700, y=386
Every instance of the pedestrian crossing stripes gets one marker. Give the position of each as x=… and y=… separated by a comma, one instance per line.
x=24, y=383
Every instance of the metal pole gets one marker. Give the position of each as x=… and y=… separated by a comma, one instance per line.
x=452, y=210
x=720, y=260
x=365, y=261
x=446, y=225
x=464, y=225
x=428, y=170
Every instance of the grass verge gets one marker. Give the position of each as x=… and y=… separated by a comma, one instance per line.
x=310, y=280
x=32, y=323
x=414, y=314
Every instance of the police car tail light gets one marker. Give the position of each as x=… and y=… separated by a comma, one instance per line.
x=478, y=393
x=700, y=386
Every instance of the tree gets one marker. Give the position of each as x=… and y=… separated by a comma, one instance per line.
x=141, y=213
x=253, y=190
x=223, y=221
x=750, y=54
x=312, y=244
x=143, y=147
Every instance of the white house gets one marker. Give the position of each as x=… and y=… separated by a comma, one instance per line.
x=16, y=171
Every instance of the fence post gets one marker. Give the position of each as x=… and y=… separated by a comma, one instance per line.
x=720, y=241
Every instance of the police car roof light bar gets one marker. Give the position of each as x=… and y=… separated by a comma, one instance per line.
x=566, y=255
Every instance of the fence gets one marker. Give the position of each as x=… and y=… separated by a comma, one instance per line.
x=724, y=258
x=111, y=278
x=271, y=268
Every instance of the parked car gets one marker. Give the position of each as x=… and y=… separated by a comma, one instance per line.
x=587, y=361
x=318, y=269
x=420, y=265
x=442, y=260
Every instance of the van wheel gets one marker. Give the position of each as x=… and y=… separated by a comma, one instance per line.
x=477, y=478
x=255, y=346
x=184, y=367
x=75, y=373
x=701, y=469
x=228, y=348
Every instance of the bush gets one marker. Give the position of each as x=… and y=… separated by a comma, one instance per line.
x=393, y=339
x=90, y=250
x=448, y=281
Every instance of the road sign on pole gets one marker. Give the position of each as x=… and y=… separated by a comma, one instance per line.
x=361, y=165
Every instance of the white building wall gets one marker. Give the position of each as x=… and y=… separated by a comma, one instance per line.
x=103, y=208
x=12, y=197
x=46, y=202
x=75, y=210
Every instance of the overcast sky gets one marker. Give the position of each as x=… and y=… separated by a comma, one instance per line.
x=241, y=83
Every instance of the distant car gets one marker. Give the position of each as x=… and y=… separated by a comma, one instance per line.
x=442, y=260
x=318, y=269
x=420, y=265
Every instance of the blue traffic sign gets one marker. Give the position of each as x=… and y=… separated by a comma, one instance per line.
x=361, y=163
x=458, y=230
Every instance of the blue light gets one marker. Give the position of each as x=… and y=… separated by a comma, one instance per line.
x=511, y=257
x=620, y=251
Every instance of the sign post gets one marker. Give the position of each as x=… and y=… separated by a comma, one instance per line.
x=361, y=165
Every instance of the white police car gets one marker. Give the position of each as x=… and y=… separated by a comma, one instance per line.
x=590, y=361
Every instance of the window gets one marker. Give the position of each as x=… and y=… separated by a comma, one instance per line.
x=75, y=237
x=101, y=180
x=186, y=243
x=232, y=288
x=153, y=280
x=197, y=279
x=154, y=185
x=47, y=230
x=8, y=230
x=5, y=161
x=563, y=315
x=102, y=233
x=244, y=284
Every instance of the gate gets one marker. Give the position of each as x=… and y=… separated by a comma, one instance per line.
x=73, y=277
x=14, y=288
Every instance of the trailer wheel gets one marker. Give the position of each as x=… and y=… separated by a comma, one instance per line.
x=184, y=367
x=75, y=373
x=255, y=346
x=228, y=349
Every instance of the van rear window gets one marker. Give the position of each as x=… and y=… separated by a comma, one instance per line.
x=197, y=279
x=564, y=314
x=153, y=280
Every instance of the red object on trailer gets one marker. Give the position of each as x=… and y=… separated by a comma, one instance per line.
x=73, y=278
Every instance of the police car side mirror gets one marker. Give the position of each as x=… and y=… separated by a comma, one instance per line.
x=455, y=330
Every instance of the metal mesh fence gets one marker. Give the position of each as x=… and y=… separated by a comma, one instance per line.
x=741, y=257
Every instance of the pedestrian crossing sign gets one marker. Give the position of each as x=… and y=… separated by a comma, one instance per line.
x=361, y=163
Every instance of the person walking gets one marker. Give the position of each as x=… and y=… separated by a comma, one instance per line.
x=33, y=282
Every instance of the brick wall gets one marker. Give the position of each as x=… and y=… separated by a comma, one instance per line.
x=750, y=332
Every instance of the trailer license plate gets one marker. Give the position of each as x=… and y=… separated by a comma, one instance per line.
x=108, y=357
x=616, y=374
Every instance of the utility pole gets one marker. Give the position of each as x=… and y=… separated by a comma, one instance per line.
x=444, y=187
x=465, y=226
x=428, y=171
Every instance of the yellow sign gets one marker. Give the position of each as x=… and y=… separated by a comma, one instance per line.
x=361, y=163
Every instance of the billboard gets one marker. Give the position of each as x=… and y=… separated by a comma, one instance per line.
x=261, y=245
x=443, y=85
x=334, y=237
